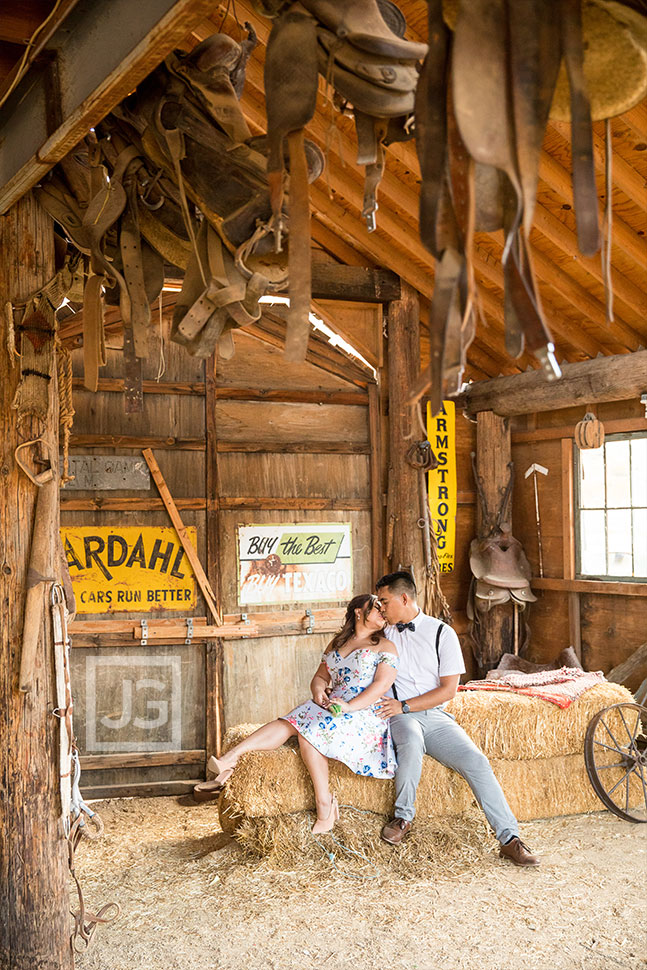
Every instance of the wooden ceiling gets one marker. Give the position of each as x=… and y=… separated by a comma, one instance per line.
x=25, y=28
x=571, y=285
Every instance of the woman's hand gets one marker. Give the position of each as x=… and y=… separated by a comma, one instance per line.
x=320, y=697
x=343, y=707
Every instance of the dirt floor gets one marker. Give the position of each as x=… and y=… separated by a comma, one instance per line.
x=191, y=898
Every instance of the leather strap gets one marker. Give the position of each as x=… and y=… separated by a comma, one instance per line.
x=299, y=260
x=373, y=177
x=94, y=348
x=444, y=319
x=133, y=270
x=534, y=57
x=585, y=193
x=431, y=129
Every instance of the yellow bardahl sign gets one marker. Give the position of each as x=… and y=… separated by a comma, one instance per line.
x=129, y=569
x=443, y=494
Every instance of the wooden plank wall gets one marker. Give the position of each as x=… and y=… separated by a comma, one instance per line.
x=611, y=625
x=268, y=676
x=272, y=457
x=168, y=415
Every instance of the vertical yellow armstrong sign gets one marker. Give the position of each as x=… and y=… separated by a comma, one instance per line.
x=443, y=495
x=126, y=569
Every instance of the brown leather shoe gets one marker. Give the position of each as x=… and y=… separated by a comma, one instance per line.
x=396, y=830
x=518, y=853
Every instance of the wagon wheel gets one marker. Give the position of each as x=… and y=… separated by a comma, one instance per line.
x=615, y=754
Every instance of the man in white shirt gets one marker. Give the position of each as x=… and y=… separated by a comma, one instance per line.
x=431, y=663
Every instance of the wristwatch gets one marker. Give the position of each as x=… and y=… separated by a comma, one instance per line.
x=405, y=708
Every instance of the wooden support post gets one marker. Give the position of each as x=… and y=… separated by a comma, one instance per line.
x=404, y=536
x=214, y=657
x=34, y=903
x=377, y=509
x=493, y=456
x=568, y=538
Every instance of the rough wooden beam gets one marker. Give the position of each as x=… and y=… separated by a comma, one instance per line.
x=496, y=628
x=404, y=538
x=197, y=388
x=635, y=666
x=589, y=382
x=103, y=50
x=34, y=897
x=356, y=284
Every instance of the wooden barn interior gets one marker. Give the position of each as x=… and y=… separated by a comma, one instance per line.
x=258, y=439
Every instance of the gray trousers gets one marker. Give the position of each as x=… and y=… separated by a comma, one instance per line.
x=435, y=732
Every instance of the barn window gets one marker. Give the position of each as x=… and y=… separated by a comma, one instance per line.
x=612, y=508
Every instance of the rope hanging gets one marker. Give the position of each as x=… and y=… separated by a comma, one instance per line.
x=65, y=406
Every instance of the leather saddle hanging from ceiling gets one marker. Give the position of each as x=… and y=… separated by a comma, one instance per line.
x=495, y=72
x=128, y=198
x=359, y=48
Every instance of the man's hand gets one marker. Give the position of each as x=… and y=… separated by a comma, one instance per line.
x=387, y=707
x=320, y=697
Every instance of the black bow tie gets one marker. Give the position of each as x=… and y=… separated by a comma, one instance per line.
x=405, y=626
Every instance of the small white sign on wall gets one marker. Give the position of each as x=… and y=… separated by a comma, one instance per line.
x=303, y=563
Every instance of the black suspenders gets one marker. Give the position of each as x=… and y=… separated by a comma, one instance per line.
x=438, y=632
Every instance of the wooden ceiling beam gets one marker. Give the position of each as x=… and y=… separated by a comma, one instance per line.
x=624, y=238
x=19, y=20
x=97, y=76
x=636, y=121
x=625, y=291
x=625, y=178
x=617, y=378
x=336, y=246
x=579, y=297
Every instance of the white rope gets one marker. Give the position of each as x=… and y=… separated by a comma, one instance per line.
x=161, y=370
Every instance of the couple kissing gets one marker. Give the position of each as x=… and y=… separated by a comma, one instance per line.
x=378, y=705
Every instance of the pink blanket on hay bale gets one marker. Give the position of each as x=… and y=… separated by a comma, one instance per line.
x=560, y=687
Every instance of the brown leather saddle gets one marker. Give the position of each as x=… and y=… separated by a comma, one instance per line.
x=129, y=198
x=501, y=571
x=359, y=48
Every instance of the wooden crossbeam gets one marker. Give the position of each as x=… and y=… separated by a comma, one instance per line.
x=589, y=382
x=179, y=526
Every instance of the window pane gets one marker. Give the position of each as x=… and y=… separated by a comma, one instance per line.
x=618, y=489
x=639, y=472
x=619, y=542
x=592, y=546
x=640, y=543
x=592, y=478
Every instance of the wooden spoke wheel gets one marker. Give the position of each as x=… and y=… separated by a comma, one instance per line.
x=615, y=753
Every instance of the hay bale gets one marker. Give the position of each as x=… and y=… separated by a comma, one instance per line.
x=273, y=783
x=514, y=726
x=438, y=846
x=535, y=749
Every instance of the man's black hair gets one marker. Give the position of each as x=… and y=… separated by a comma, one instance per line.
x=398, y=583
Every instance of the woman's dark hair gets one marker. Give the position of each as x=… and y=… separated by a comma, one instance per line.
x=364, y=602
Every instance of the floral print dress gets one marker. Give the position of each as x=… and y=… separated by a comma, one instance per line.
x=361, y=739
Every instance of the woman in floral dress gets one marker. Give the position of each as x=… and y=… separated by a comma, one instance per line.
x=358, y=667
